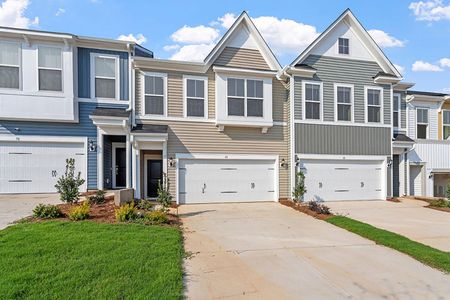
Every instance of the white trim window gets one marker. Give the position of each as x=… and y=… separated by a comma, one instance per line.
x=105, y=76
x=343, y=45
x=446, y=124
x=155, y=94
x=422, y=123
x=312, y=100
x=195, y=97
x=50, y=68
x=10, y=65
x=374, y=104
x=396, y=110
x=245, y=97
x=343, y=95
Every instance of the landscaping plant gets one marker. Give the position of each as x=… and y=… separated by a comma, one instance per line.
x=164, y=197
x=46, y=211
x=318, y=207
x=80, y=212
x=126, y=213
x=145, y=205
x=68, y=185
x=156, y=217
x=98, y=198
x=299, y=188
x=448, y=190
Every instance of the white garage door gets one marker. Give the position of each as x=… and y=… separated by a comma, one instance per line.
x=335, y=180
x=207, y=181
x=34, y=167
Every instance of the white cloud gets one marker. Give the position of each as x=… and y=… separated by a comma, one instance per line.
x=445, y=62
x=227, y=20
x=195, y=35
x=12, y=14
x=446, y=90
x=399, y=68
x=385, y=40
x=434, y=10
x=60, y=11
x=421, y=66
x=138, y=39
x=171, y=47
x=193, y=52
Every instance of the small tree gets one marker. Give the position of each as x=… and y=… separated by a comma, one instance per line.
x=299, y=188
x=164, y=197
x=68, y=185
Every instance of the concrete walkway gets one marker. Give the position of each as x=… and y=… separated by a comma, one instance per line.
x=269, y=251
x=17, y=206
x=409, y=218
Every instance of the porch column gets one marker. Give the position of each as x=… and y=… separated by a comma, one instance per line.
x=164, y=157
x=99, y=160
x=135, y=171
x=128, y=161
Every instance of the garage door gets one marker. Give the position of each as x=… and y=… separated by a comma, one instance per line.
x=35, y=167
x=207, y=181
x=335, y=180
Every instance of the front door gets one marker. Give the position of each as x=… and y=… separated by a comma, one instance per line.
x=120, y=167
x=154, y=175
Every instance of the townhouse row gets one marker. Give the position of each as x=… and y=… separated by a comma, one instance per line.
x=233, y=128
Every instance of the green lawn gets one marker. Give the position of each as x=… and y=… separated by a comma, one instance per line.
x=87, y=260
x=430, y=256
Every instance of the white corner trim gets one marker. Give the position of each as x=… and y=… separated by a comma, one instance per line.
x=320, y=84
x=164, y=76
x=352, y=100
x=205, y=93
x=366, y=104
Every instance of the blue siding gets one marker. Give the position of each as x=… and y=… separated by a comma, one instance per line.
x=84, y=71
x=84, y=128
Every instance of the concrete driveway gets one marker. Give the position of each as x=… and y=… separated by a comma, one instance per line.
x=17, y=206
x=269, y=251
x=409, y=218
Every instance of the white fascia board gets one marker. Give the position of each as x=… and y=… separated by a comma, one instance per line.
x=35, y=33
x=426, y=98
x=303, y=72
x=149, y=137
x=386, y=80
x=403, y=86
x=242, y=71
x=168, y=65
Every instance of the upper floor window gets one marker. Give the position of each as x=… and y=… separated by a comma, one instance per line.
x=312, y=101
x=245, y=97
x=344, y=46
x=50, y=68
x=422, y=123
x=106, y=73
x=446, y=124
x=155, y=94
x=396, y=112
x=344, y=102
x=9, y=65
x=374, y=105
x=196, y=104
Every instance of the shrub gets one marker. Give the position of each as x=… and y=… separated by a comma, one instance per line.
x=440, y=203
x=46, y=211
x=299, y=188
x=68, y=185
x=448, y=190
x=319, y=207
x=98, y=198
x=145, y=205
x=126, y=213
x=164, y=196
x=156, y=217
x=80, y=212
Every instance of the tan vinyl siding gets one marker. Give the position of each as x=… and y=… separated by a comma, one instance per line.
x=175, y=94
x=138, y=93
x=241, y=58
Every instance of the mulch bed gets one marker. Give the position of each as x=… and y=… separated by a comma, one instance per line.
x=305, y=209
x=396, y=200
x=446, y=209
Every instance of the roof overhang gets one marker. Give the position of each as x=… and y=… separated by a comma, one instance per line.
x=386, y=80
x=403, y=86
x=169, y=65
x=425, y=98
x=242, y=71
x=301, y=71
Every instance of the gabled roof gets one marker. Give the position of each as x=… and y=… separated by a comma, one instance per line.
x=265, y=50
x=372, y=47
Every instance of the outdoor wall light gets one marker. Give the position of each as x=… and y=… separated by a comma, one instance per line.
x=92, y=146
x=171, y=162
x=297, y=161
x=389, y=163
x=283, y=163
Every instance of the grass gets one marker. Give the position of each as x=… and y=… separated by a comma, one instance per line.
x=430, y=256
x=87, y=260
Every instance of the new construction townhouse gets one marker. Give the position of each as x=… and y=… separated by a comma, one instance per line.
x=236, y=127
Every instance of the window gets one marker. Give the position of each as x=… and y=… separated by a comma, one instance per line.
x=50, y=68
x=106, y=77
x=312, y=96
x=245, y=97
x=422, y=123
x=374, y=105
x=396, y=112
x=344, y=47
x=196, y=94
x=9, y=65
x=344, y=99
x=446, y=124
x=154, y=96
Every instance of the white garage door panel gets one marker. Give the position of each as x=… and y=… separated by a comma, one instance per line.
x=335, y=180
x=205, y=181
x=35, y=167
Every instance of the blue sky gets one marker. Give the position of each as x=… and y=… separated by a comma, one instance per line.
x=414, y=35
